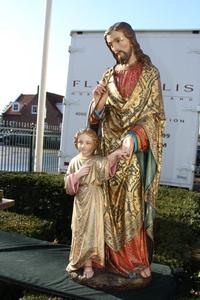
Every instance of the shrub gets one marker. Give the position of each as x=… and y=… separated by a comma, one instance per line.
x=177, y=226
x=177, y=223
x=30, y=226
x=41, y=195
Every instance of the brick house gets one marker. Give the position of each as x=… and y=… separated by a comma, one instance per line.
x=24, y=109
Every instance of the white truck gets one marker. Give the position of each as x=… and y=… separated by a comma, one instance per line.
x=177, y=56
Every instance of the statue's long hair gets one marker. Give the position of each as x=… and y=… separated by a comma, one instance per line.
x=129, y=34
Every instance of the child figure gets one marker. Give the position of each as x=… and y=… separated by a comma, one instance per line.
x=84, y=178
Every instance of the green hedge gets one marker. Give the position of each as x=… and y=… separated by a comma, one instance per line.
x=177, y=223
x=30, y=226
x=38, y=296
x=177, y=226
x=41, y=195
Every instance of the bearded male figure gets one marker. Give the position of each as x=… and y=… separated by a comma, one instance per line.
x=127, y=108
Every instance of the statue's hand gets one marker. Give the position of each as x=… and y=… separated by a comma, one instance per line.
x=100, y=95
x=128, y=145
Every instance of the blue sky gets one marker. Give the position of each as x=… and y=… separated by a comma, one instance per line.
x=22, y=31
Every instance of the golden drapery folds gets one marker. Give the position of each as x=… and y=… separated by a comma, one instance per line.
x=87, y=219
x=130, y=195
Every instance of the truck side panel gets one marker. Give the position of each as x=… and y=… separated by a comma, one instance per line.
x=177, y=56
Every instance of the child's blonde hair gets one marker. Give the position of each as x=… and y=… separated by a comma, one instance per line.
x=88, y=131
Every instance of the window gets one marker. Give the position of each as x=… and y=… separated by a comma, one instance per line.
x=15, y=106
x=34, y=109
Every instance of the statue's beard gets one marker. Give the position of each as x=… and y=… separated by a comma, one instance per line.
x=123, y=57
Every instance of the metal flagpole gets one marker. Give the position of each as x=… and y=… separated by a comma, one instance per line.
x=41, y=112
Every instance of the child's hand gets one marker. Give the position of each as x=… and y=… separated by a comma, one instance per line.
x=121, y=153
x=84, y=170
x=118, y=154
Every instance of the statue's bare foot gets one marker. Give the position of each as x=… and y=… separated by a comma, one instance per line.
x=145, y=273
x=88, y=272
x=68, y=269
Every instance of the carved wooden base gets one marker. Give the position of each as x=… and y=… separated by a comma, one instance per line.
x=104, y=280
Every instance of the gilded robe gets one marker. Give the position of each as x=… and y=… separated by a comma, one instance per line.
x=130, y=195
x=87, y=218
